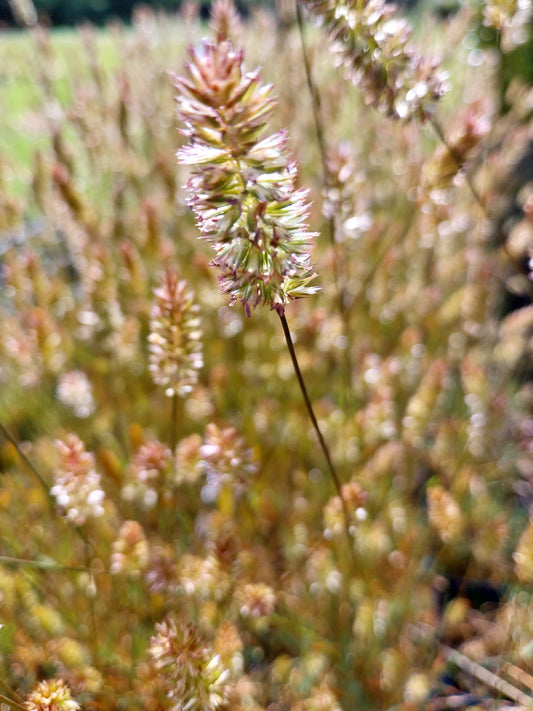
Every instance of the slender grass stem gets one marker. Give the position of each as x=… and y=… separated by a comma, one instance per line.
x=48, y=565
x=10, y=702
x=10, y=691
x=315, y=96
x=40, y=478
x=93, y=627
x=316, y=427
x=310, y=412
x=338, y=262
x=174, y=423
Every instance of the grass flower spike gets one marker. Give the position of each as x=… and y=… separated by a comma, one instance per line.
x=373, y=47
x=51, y=695
x=510, y=18
x=174, y=340
x=242, y=189
x=77, y=488
x=189, y=668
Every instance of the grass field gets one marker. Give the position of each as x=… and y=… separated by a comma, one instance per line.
x=172, y=534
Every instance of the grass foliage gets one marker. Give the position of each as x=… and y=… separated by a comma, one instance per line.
x=190, y=552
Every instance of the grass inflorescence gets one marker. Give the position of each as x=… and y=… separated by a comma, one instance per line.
x=180, y=527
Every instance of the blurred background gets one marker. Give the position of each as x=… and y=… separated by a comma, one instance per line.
x=66, y=12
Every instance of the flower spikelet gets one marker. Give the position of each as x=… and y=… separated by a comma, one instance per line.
x=242, y=188
x=51, y=695
x=151, y=461
x=188, y=457
x=471, y=126
x=256, y=600
x=130, y=551
x=161, y=575
x=225, y=20
x=338, y=194
x=150, y=466
x=510, y=18
x=229, y=645
x=355, y=499
x=226, y=459
x=175, y=336
x=190, y=670
x=77, y=484
x=373, y=46
x=74, y=391
x=499, y=13
x=225, y=451
x=200, y=577
x=444, y=514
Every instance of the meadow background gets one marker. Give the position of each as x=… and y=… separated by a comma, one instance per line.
x=190, y=552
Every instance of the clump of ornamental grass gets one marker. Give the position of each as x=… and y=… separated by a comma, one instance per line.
x=379, y=418
x=239, y=532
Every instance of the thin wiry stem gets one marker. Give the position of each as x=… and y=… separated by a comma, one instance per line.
x=10, y=702
x=48, y=565
x=308, y=405
x=338, y=262
x=174, y=423
x=28, y=463
x=93, y=627
x=315, y=96
x=10, y=691
x=314, y=422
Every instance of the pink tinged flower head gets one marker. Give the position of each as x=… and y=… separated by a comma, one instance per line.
x=175, y=336
x=148, y=473
x=74, y=391
x=226, y=460
x=511, y=19
x=256, y=600
x=373, y=46
x=225, y=20
x=51, y=695
x=130, y=552
x=76, y=486
x=242, y=186
x=189, y=668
